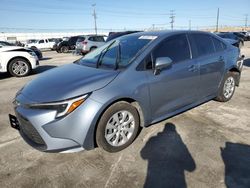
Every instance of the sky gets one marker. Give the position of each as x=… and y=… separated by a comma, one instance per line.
x=77, y=15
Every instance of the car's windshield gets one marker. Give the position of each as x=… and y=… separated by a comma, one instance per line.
x=116, y=53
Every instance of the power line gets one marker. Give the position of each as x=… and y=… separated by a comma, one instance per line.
x=172, y=17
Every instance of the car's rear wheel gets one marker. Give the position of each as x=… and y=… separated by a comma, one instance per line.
x=64, y=49
x=227, y=88
x=118, y=127
x=19, y=67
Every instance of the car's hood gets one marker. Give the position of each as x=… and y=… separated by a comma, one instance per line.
x=67, y=82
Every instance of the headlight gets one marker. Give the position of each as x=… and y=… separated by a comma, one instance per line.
x=62, y=108
x=32, y=53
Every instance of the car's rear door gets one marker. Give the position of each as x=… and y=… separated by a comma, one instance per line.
x=176, y=86
x=211, y=62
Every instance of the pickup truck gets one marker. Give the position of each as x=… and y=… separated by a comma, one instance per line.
x=42, y=44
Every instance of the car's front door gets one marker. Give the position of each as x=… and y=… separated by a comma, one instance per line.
x=41, y=44
x=177, y=86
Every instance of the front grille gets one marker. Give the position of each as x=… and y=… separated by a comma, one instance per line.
x=30, y=132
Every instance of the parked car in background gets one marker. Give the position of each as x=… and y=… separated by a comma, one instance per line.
x=4, y=43
x=113, y=35
x=232, y=36
x=130, y=82
x=18, y=61
x=89, y=43
x=33, y=48
x=240, y=35
x=246, y=34
x=41, y=44
x=56, y=41
x=66, y=45
x=37, y=52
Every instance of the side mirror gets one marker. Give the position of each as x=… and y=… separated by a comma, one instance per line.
x=162, y=63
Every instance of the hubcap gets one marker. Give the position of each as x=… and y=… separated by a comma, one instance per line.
x=229, y=87
x=120, y=128
x=20, y=68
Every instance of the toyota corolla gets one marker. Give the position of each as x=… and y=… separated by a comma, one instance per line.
x=104, y=98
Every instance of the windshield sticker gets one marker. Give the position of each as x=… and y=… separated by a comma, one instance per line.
x=147, y=37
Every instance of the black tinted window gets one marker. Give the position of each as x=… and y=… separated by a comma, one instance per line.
x=80, y=39
x=176, y=48
x=91, y=38
x=219, y=46
x=73, y=40
x=204, y=44
x=99, y=39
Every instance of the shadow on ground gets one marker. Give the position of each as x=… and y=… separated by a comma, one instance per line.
x=237, y=165
x=247, y=62
x=38, y=70
x=168, y=158
x=45, y=58
x=42, y=69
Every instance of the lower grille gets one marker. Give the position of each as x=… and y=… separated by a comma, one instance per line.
x=30, y=132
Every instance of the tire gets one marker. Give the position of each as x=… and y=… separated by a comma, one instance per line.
x=110, y=136
x=19, y=67
x=64, y=49
x=227, y=88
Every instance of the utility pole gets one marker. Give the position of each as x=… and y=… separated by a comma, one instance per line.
x=190, y=27
x=172, y=16
x=217, y=22
x=153, y=27
x=246, y=20
x=95, y=17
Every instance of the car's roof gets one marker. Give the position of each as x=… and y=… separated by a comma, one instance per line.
x=165, y=33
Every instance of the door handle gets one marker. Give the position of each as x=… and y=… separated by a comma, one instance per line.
x=192, y=68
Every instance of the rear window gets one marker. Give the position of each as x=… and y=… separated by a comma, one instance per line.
x=97, y=39
x=204, y=44
x=80, y=39
x=218, y=45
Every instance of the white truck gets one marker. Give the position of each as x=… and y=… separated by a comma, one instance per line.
x=42, y=44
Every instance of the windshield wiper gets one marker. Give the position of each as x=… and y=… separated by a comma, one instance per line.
x=118, y=57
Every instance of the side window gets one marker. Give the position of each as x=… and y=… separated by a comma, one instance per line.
x=219, y=46
x=91, y=38
x=72, y=41
x=41, y=41
x=204, y=44
x=99, y=39
x=80, y=39
x=175, y=47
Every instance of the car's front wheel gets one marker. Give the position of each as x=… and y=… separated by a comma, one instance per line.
x=19, y=67
x=227, y=88
x=64, y=49
x=118, y=127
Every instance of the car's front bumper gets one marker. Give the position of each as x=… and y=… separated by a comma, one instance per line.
x=41, y=130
